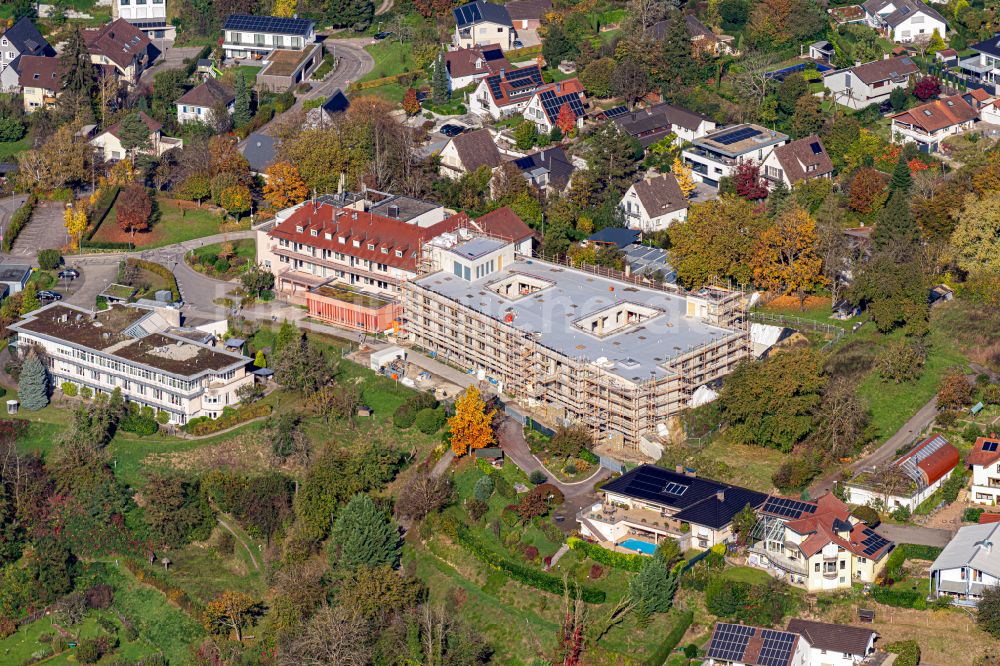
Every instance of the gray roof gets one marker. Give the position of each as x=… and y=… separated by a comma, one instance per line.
x=477, y=149
x=477, y=247
x=660, y=195
x=336, y=102
x=14, y=272
x=259, y=151
x=645, y=260
x=973, y=546
x=904, y=9
x=833, y=637
x=481, y=12
x=27, y=40
x=651, y=124
x=553, y=160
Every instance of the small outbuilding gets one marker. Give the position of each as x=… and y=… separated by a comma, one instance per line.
x=384, y=357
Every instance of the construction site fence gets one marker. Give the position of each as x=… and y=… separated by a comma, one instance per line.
x=609, y=273
x=791, y=321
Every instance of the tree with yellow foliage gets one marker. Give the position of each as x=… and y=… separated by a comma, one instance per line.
x=284, y=186
x=471, y=425
x=683, y=175
x=784, y=257
x=284, y=8
x=75, y=221
x=229, y=613
x=122, y=173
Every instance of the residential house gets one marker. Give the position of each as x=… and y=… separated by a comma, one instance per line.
x=322, y=116
x=199, y=103
x=122, y=46
x=466, y=66
x=904, y=21
x=109, y=141
x=985, y=63
x=984, y=460
x=40, y=81
x=467, y=152
x=653, y=123
x=931, y=123
x=150, y=16
x=144, y=353
x=654, y=203
x=480, y=23
x=21, y=39
x=528, y=14
x=921, y=471
x=255, y=37
x=548, y=102
x=870, y=83
x=716, y=155
x=550, y=170
x=831, y=644
x=617, y=237
x=947, y=57
x=649, y=504
x=799, y=160
x=967, y=566
x=702, y=37
x=506, y=93
x=816, y=545
x=745, y=645
x=259, y=151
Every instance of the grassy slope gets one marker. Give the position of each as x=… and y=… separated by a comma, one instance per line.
x=173, y=225
x=8, y=150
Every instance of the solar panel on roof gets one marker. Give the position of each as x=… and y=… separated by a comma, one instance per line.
x=990, y=446
x=492, y=54
x=675, y=488
x=872, y=542
x=787, y=508
x=552, y=104
x=494, y=83
x=736, y=136
x=729, y=641
x=777, y=648
x=816, y=148
x=272, y=24
x=615, y=112
x=523, y=163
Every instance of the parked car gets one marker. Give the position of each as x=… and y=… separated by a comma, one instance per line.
x=451, y=130
x=379, y=36
x=518, y=44
x=69, y=274
x=46, y=295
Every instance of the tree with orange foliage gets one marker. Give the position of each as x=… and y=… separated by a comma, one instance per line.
x=133, y=209
x=471, y=426
x=784, y=257
x=868, y=191
x=410, y=103
x=284, y=186
x=566, y=120
x=230, y=612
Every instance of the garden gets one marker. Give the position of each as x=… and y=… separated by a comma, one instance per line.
x=223, y=261
x=172, y=221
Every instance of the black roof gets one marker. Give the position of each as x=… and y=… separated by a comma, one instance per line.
x=479, y=11
x=989, y=46
x=337, y=102
x=696, y=499
x=270, y=24
x=618, y=236
x=553, y=159
x=24, y=36
x=259, y=152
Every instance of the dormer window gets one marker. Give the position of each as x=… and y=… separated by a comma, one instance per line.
x=328, y=236
x=341, y=240
x=385, y=250
x=298, y=228
x=314, y=232
x=357, y=243
x=371, y=246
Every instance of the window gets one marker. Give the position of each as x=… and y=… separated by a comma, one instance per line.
x=977, y=576
x=371, y=246
x=829, y=567
x=314, y=232
x=817, y=567
x=399, y=253
x=843, y=565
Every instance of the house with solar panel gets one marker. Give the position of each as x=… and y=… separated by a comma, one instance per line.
x=122, y=49
x=255, y=37
x=816, y=545
x=650, y=504
x=908, y=480
x=150, y=16
x=506, y=93
x=984, y=461
x=716, y=155
x=869, y=83
x=466, y=66
x=548, y=101
x=744, y=645
x=796, y=161
x=480, y=23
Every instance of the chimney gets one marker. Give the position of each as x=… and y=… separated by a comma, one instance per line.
x=394, y=211
x=679, y=469
x=690, y=472
x=720, y=494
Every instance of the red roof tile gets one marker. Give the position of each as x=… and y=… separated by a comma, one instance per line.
x=504, y=223
x=980, y=457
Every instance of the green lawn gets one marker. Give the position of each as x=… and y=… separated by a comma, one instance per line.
x=11, y=148
x=250, y=71
x=245, y=250
x=391, y=92
x=391, y=57
x=174, y=222
x=746, y=575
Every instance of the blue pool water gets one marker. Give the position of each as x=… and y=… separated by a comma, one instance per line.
x=643, y=547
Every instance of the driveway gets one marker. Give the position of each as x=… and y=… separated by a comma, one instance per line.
x=921, y=536
x=45, y=230
x=95, y=275
x=170, y=58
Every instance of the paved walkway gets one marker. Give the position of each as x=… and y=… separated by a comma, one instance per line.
x=921, y=536
x=44, y=231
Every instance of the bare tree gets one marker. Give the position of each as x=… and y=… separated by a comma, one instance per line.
x=842, y=419
x=646, y=13
x=889, y=480
x=834, y=249
x=751, y=80
x=332, y=636
x=423, y=494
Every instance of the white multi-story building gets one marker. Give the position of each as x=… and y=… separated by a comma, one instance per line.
x=480, y=23
x=834, y=644
x=984, y=459
x=247, y=36
x=985, y=64
x=904, y=21
x=716, y=155
x=870, y=83
x=654, y=203
x=150, y=16
x=143, y=352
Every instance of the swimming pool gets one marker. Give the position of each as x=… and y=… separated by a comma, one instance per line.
x=643, y=547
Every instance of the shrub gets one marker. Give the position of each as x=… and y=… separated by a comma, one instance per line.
x=105, y=201
x=49, y=260
x=69, y=389
x=972, y=432
x=570, y=468
x=537, y=477
x=139, y=424
x=530, y=553
x=477, y=508
x=162, y=271
x=226, y=543
x=691, y=651
x=100, y=596
x=504, y=488
x=162, y=417
x=610, y=558
x=230, y=418
x=429, y=421
x=596, y=571
x=897, y=598
x=901, y=514
x=589, y=457
x=90, y=650
x=7, y=627
x=946, y=418
x=105, y=245
x=971, y=515
x=45, y=637
x=867, y=515
x=483, y=489
x=129, y=630
x=671, y=640
x=908, y=651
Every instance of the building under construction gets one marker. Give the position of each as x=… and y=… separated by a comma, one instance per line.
x=574, y=345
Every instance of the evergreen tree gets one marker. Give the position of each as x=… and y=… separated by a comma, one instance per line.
x=896, y=232
x=364, y=536
x=439, y=83
x=677, y=63
x=260, y=360
x=356, y=14
x=901, y=178
x=652, y=589
x=241, y=112
x=776, y=198
x=134, y=134
x=558, y=46
x=33, y=385
x=77, y=83
x=23, y=9
x=287, y=334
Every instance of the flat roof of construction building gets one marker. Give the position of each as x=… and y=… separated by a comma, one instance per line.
x=552, y=316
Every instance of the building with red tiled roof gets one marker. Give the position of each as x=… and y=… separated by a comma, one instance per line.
x=817, y=545
x=466, y=66
x=929, y=124
x=122, y=45
x=506, y=93
x=909, y=480
x=984, y=461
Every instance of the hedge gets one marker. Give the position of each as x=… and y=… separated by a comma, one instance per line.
x=671, y=641
x=908, y=651
x=587, y=456
x=611, y=558
x=106, y=245
x=519, y=572
x=18, y=220
x=100, y=209
x=205, y=426
x=163, y=272
x=191, y=64
x=906, y=551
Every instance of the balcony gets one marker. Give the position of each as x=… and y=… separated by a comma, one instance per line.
x=710, y=156
x=780, y=560
x=831, y=575
x=972, y=64
x=643, y=519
